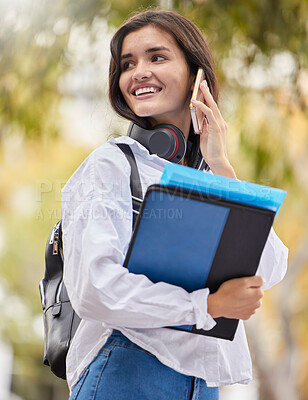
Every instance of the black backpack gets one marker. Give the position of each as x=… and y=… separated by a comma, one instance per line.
x=60, y=320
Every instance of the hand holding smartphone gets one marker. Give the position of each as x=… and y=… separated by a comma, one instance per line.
x=196, y=115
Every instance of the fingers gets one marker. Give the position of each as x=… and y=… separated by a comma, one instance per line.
x=213, y=134
x=254, y=285
x=238, y=298
x=209, y=108
x=207, y=94
x=207, y=111
x=209, y=99
x=246, y=314
x=255, y=281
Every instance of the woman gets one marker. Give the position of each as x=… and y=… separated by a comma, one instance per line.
x=121, y=349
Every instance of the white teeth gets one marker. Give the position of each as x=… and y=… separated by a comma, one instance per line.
x=145, y=90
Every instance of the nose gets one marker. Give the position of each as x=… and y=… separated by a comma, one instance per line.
x=141, y=72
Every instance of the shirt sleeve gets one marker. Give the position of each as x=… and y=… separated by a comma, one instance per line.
x=273, y=262
x=97, y=226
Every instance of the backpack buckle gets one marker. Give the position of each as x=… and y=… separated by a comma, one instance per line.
x=56, y=310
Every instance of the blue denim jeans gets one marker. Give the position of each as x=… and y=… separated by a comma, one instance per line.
x=124, y=371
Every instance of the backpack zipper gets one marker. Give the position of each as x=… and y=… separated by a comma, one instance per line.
x=55, y=245
x=54, y=239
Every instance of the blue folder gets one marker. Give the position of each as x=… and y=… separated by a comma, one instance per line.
x=223, y=187
x=194, y=240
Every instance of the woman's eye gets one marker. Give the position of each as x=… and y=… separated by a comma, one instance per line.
x=126, y=65
x=158, y=58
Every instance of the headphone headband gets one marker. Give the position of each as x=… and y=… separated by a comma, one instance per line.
x=165, y=140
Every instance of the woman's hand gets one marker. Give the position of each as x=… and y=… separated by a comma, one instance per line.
x=213, y=136
x=237, y=298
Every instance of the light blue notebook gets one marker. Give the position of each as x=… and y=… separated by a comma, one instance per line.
x=222, y=187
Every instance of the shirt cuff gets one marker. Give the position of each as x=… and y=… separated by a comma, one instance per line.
x=203, y=319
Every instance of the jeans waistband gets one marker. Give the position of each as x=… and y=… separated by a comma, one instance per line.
x=117, y=337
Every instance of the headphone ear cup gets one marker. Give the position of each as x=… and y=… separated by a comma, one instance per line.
x=177, y=151
x=161, y=142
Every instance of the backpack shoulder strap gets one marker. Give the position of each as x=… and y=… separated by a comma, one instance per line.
x=135, y=183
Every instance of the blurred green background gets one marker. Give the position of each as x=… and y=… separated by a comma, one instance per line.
x=54, y=111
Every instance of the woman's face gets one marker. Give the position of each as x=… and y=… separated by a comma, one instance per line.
x=155, y=80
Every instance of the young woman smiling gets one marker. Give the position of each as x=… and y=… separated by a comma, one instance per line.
x=121, y=349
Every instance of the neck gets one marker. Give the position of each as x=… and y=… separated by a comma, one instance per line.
x=180, y=121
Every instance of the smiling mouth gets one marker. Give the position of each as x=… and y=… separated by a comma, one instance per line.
x=146, y=90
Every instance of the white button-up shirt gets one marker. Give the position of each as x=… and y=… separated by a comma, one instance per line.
x=97, y=227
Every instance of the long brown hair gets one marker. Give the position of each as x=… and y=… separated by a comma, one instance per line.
x=189, y=39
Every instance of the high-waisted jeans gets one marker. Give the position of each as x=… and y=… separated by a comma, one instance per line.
x=124, y=371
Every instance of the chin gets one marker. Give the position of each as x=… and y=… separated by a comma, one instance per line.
x=145, y=112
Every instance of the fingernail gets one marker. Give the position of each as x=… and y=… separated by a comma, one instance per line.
x=204, y=84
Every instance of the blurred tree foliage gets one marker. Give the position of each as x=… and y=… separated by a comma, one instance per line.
x=269, y=25
x=33, y=43
x=260, y=49
x=34, y=38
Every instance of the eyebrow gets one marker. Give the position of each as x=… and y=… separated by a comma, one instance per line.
x=151, y=50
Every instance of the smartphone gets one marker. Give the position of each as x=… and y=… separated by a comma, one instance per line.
x=196, y=115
